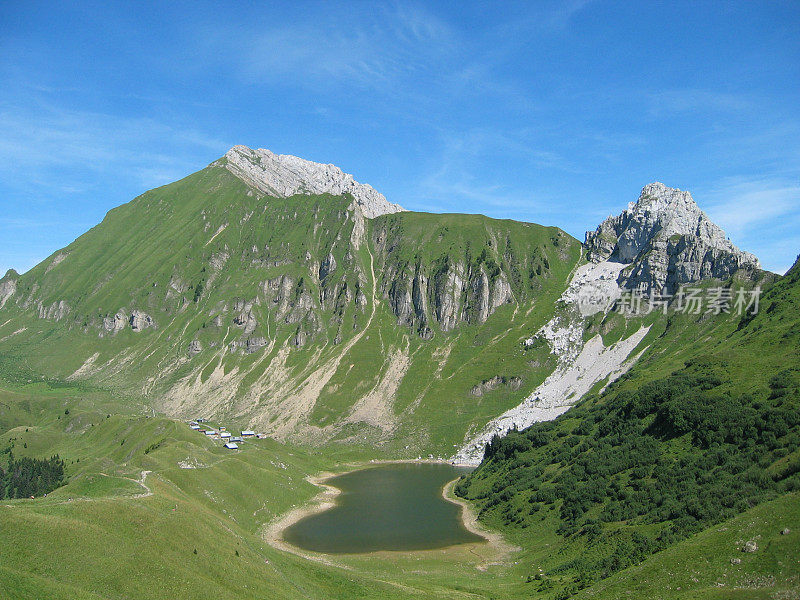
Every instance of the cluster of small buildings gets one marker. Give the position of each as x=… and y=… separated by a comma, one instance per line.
x=229, y=441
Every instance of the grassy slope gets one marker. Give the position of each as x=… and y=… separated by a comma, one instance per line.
x=701, y=567
x=99, y=537
x=108, y=543
x=94, y=538
x=745, y=355
x=156, y=252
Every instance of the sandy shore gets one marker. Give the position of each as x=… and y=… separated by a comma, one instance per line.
x=500, y=548
x=272, y=533
x=494, y=550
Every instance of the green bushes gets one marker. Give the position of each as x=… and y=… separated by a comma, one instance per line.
x=671, y=457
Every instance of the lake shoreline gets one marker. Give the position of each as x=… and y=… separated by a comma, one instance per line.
x=471, y=523
x=273, y=532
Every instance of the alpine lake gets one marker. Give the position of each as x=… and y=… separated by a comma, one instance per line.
x=394, y=507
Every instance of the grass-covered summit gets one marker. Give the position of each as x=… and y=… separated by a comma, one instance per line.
x=294, y=314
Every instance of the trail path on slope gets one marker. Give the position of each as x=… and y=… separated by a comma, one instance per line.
x=140, y=480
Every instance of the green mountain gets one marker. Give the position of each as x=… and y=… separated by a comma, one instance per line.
x=273, y=293
x=296, y=315
x=281, y=294
x=705, y=426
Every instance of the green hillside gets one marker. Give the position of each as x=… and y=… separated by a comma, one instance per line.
x=704, y=427
x=711, y=564
x=204, y=297
x=346, y=340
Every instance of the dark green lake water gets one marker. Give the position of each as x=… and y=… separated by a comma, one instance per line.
x=391, y=507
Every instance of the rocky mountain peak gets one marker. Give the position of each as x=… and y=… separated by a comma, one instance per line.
x=284, y=175
x=668, y=241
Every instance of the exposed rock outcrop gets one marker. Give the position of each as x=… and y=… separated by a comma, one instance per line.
x=249, y=345
x=283, y=175
x=115, y=323
x=667, y=241
x=581, y=364
x=513, y=383
x=54, y=312
x=245, y=317
x=140, y=321
x=8, y=286
x=327, y=266
x=57, y=260
x=448, y=295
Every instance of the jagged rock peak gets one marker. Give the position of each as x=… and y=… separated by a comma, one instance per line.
x=660, y=212
x=668, y=240
x=284, y=175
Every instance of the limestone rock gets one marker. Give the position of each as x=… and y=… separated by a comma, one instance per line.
x=57, y=260
x=140, y=321
x=447, y=290
x=327, y=266
x=283, y=175
x=245, y=319
x=218, y=260
x=195, y=347
x=667, y=241
x=750, y=546
x=513, y=383
x=248, y=345
x=8, y=286
x=55, y=312
x=115, y=323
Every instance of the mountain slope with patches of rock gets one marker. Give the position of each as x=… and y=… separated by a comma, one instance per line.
x=281, y=294
x=658, y=244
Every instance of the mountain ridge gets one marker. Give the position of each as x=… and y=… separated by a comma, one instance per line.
x=239, y=290
x=285, y=175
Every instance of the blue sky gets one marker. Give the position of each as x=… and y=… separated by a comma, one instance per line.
x=552, y=112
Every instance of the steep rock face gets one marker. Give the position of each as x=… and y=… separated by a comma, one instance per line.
x=667, y=241
x=447, y=297
x=8, y=286
x=283, y=175
x=463, y=271
x=245, y=317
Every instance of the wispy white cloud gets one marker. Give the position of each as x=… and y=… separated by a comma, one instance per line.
x=740, y=205
x=672, y=101
x=37, y=140
x=375, y=51
x=464, y=173
x=760, y=215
